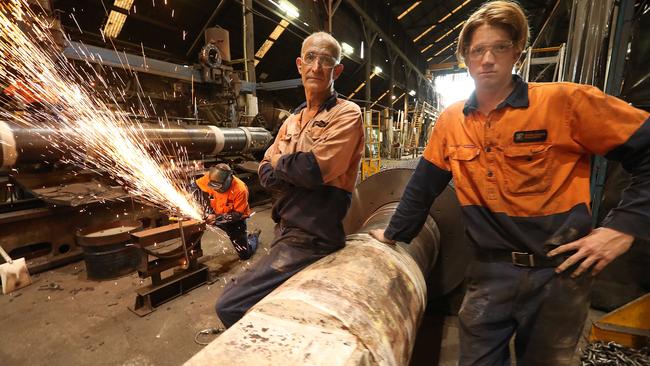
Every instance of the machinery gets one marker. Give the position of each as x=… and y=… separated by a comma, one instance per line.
x=203, y=109
x=185, y=255
x=117, y=248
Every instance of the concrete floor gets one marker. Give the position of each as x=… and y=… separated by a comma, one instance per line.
x=65, y=319
x=62, y=318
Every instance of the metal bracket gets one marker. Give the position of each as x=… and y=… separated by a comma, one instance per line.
x=150, y=297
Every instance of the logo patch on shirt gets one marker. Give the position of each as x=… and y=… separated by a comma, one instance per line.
x=530, y=136
x=320, y=123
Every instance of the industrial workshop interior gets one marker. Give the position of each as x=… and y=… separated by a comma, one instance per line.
x=325, y=182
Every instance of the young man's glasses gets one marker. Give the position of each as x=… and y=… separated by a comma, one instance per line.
x=325, y=61
x=500, y=48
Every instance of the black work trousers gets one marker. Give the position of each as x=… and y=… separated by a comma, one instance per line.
x=292, y=250
x=236, y=231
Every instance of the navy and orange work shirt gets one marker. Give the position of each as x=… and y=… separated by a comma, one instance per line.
x=318, y=168
x=521, y=173
x=235, y=199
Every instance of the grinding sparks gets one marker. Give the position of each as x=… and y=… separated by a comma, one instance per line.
x=83, y=126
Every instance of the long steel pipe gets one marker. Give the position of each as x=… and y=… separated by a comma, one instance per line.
x=21, y=145
x=359, y=306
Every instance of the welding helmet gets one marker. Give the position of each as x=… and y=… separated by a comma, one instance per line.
x=220, y=177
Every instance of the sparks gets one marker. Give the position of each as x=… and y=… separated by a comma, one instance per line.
x=85, y=127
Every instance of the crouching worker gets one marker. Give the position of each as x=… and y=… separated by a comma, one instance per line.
x=228, y=208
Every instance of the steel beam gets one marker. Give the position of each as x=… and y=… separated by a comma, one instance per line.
x=375, y=27
x=280, y=85
x=112, y=58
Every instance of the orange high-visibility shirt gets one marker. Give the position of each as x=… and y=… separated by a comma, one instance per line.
x=522, y=172
x=234, y=199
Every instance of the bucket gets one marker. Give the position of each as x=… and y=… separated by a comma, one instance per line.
x=107, y=249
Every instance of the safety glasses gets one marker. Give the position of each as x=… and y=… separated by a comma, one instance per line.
x=477, y=52
x=325, y=61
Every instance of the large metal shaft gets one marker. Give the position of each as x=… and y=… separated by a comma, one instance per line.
x=21, y=145
x=359, y=306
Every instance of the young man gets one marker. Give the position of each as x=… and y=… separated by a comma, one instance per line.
x=520, y=157
x=313, y=162
x=228, y=208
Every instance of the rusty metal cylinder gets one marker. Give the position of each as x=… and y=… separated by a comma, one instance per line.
x=19, y=145
x=424, y=247
x=361, y=305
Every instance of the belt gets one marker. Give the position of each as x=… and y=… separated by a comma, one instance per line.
x=521, y=259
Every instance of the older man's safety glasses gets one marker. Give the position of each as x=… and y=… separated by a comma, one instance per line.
x=499, y=48
x=325, y=61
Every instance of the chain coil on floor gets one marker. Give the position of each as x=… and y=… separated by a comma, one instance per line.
x=613, y=354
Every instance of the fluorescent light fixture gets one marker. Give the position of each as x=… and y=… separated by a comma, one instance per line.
x=453, y=29
x=116, y=20
x=114, y=24
x=361, y=50
x=398, y=98
x=347, y=49
x=279, y=29
x=124, y=4
x=357, y=89
x=409, y=10
x=424, y=33
x=412, y=93
x=289, y=9
x=275, y=34
x=442, y=50
x=440, y=21
x=380, y=98
x=377, y=70
x=426, y=48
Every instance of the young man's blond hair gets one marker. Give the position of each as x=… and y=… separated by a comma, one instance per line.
x=504, y=14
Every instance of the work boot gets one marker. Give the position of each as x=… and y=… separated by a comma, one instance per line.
x=253, y=241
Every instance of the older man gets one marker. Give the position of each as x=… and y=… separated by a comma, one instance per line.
x=519, y=154
x=313, y=162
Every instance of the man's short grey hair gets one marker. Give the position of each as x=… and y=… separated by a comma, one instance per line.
x=336, y=46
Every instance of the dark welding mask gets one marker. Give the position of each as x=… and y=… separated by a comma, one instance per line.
x=220, y=178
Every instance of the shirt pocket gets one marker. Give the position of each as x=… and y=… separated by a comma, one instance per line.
x=284, y=143
x=315, y=132
x=464, y=163
x=526, y=169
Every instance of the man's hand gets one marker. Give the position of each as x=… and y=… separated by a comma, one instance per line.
x=597, y=249
x=274, y=160
x=379, y=235
x=210, y=220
